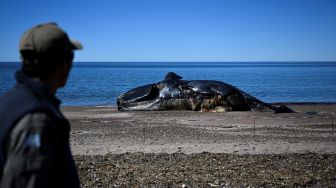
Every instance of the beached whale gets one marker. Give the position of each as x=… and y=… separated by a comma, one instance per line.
x=173, y=93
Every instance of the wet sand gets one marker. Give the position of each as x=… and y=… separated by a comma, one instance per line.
x=117, y=149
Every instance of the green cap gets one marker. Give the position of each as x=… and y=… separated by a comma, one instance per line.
x=47, y=38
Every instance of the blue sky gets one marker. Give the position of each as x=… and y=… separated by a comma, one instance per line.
x=181, y=30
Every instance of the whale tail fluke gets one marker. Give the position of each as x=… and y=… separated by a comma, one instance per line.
x=283, y=109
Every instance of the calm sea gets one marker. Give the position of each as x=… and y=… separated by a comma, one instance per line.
x=100, y=83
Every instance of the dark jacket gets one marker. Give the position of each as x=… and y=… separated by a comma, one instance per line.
x=34, y=138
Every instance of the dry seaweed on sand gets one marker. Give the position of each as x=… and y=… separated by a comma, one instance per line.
x=207, y=170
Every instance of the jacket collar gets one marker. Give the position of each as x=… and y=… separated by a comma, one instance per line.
x=38, y=88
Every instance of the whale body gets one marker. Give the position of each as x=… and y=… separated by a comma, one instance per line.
x=173, y=93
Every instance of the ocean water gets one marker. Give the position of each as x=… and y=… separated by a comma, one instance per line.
x=100, y=83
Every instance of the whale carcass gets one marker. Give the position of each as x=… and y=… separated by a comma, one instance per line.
x=173, y=93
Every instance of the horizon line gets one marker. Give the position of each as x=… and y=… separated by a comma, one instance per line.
x=288, y=61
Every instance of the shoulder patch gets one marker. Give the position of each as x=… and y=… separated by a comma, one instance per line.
x=33, y=140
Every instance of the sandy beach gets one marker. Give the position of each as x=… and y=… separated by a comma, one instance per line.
x=194, y=149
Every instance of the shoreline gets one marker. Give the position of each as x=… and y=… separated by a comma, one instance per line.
x=274, y=103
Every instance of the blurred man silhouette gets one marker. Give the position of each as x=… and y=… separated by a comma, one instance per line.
x=34, y=134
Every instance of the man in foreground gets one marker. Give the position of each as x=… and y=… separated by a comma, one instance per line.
x=34, y=134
